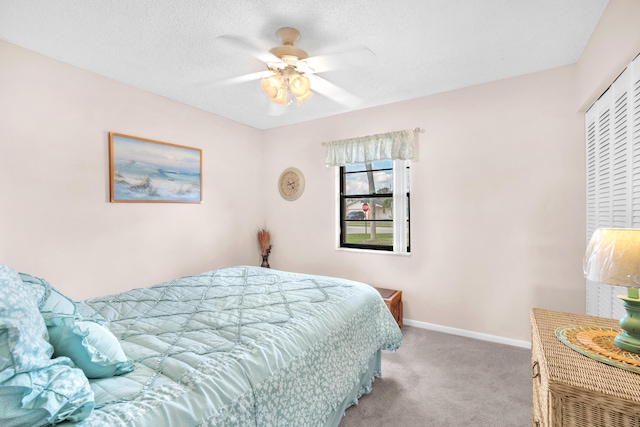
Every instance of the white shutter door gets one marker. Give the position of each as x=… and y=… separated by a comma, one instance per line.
x=593, y=296
x=620, y=155
x=599, y=190
x=634, y=137
x=613, y=173
x=603, y=161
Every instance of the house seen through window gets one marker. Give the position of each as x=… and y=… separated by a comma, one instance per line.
x=374, y=206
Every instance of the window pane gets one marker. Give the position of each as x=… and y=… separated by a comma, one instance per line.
x=358, y=183
x=363, y=208
x=374, y=233
x=381, y=164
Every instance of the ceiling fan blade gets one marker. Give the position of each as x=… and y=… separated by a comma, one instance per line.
x=237, y=79
x=351, y=57
x=258, y=53
x=333, y=92
x=246, y=77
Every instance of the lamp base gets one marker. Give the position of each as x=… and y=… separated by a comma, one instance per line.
x=629, y=340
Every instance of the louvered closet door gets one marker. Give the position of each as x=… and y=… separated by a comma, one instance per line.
x=613, y=173
x=634, y=129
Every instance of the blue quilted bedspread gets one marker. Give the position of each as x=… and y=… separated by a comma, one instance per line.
x=242, y=346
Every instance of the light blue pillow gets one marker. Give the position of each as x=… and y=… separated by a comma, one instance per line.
x=91, y=346
x=25, y=359
x=51, y=302
x=23, y=334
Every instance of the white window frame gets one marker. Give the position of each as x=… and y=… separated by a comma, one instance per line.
x=400, y=209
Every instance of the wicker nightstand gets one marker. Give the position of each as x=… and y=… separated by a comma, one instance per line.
x=570, y=389
x=393, y=299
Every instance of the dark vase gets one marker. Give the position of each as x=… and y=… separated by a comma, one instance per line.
x=265, y=261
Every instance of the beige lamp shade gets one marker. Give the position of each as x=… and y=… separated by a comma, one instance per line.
x=613, y=257
x=299, y=85
x=286, y=85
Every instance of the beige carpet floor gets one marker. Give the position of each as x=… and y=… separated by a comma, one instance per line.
x=443, y=380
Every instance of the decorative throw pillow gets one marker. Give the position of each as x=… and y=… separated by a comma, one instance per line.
x=51, y=302
x=23, y=334
x=26, y=366
x=91, y=346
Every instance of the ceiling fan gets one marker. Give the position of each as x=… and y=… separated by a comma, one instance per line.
x=288, y=80
x=291, y=74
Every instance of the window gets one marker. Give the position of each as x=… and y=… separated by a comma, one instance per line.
x=374, y=189
x=374, y=206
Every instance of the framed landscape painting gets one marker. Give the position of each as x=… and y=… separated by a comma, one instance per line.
x=144, y=170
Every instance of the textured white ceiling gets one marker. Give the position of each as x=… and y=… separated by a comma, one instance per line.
x=415, y=47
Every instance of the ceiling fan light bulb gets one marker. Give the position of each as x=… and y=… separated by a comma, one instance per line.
x=271, y=86
x=270, y=91
x=281, y=97
x=303, y=98
x=299, y=85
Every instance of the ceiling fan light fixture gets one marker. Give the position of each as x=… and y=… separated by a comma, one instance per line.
x=299, y=85
x=288, y=83
x=272, y=85
x=304, y=97
x=283, y=87
x=281, y=98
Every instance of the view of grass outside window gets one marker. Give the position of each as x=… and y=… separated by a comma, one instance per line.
x=374, y=206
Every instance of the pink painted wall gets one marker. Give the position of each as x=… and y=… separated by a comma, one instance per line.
x=497, y=203
x=56, y=220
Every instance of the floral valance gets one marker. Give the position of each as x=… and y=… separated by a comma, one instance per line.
x=365, y=149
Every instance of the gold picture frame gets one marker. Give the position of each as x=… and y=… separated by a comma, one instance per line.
x=143, y=170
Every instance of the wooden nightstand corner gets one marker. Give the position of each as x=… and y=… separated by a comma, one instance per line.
x=393, y=299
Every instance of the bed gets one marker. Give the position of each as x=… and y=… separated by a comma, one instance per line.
x=238, y=346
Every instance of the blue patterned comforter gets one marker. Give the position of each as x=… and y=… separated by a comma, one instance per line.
x=241, y=346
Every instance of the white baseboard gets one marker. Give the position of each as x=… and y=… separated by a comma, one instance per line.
x=465, y=333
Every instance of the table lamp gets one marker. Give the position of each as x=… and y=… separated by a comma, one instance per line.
x=613, y=257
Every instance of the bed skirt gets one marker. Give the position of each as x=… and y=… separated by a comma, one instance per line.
x=361, y=388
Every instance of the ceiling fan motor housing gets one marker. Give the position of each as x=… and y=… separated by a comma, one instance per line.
x=288, y=53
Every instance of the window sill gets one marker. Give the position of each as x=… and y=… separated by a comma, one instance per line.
x=371, y=251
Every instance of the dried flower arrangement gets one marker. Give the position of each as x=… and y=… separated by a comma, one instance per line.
x=264, y=239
